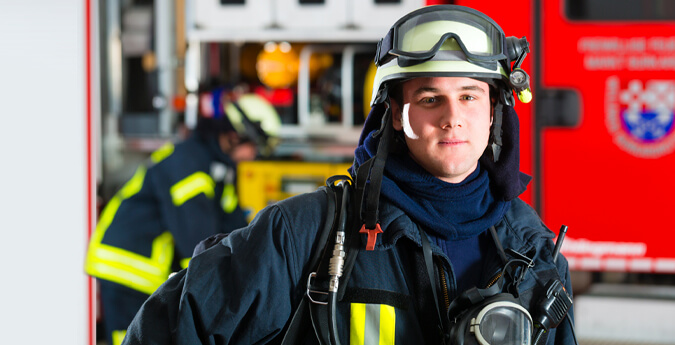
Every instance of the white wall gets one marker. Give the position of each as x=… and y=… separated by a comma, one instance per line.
x=43, y=172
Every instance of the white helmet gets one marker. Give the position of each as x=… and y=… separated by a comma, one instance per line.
x=452, y=41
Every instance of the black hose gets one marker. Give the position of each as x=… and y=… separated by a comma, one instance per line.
x=335, y=268
x=343, y=206
x=332, y=317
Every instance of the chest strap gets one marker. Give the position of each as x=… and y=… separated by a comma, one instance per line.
x=428, y=260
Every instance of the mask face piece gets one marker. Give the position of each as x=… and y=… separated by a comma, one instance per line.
x=494, y=320
x=502, y=323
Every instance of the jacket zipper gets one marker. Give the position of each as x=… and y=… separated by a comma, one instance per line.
x=494, y=279
x=444, y=288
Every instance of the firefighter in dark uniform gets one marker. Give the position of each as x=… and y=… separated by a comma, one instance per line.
x=429, y=242
x=181, y=195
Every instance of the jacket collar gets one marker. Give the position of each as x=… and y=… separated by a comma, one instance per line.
x=396, y=224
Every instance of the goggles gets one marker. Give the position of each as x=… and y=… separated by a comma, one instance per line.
x=420, y=35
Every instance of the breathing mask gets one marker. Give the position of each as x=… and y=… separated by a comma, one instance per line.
x=488, y=317
x=495, y=315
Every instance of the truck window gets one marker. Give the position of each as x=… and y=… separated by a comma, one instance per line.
x=610, y=10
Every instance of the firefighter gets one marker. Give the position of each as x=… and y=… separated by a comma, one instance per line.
x=182, y=194
x=431, y=242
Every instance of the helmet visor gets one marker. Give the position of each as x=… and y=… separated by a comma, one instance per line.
x=423, y=33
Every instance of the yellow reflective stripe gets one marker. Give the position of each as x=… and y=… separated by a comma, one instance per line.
x=161, y=153
x=387, y=324
x=185, y=262
x=122, y=266
x=372, y=324
x=134, y=185
x=229, y=199
x=106, y=218
x=131, y=269
x=191, y=186
x=357, y=327
x=132, y=261
x=108, y=271
x=118, y=336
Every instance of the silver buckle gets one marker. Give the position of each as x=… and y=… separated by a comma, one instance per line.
x=310, y=291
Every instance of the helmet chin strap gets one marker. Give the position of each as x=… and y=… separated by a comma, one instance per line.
x=497, y=131
x=505, y=98
x=369, y=174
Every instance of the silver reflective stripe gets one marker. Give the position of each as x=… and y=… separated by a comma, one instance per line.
x=372, y=331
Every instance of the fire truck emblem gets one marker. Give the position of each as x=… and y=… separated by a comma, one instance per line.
x=640, y=117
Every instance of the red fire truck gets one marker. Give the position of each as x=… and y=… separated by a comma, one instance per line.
x=599, y=138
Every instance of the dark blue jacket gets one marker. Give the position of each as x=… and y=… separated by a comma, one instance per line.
x=182, y=194
x=245, y=289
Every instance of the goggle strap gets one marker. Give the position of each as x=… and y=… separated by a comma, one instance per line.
x=383, y=47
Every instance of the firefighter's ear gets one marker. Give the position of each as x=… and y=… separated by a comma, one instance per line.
x=396, y=115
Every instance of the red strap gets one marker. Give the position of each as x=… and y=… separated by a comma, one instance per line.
x=372, y=235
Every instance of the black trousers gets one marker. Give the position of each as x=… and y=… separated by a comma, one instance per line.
x=120, y=304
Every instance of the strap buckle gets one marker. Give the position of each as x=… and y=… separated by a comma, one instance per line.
x=311, y=291
x=372, y=235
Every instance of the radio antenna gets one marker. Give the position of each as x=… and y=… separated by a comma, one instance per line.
x=558, y=243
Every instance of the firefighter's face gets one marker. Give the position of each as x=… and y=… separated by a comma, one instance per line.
x=244, y=152
x=238, y=151
x=446, y=121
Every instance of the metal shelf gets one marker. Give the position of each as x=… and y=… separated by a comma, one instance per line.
x=322, y=35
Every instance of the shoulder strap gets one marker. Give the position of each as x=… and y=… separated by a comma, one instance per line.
x=374, y=174
x=320, y=311
x=300, y=323
x=428, y=260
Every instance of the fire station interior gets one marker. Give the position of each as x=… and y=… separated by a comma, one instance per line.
x=158, y=58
